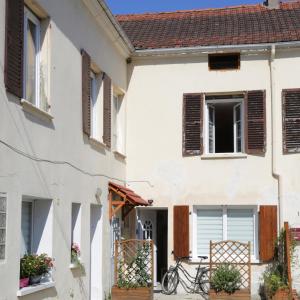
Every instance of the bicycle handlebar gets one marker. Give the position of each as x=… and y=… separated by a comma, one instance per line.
x=187, y=257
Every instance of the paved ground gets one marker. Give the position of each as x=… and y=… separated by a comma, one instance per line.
x=159, y=296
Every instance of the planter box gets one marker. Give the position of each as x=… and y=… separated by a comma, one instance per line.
x=284, y=295
x=240, y=294
x=131, y=294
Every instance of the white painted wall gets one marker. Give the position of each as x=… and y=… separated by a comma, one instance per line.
x=154, y=147
x=72, y=28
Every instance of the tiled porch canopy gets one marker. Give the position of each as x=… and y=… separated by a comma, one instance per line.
x=122, y=197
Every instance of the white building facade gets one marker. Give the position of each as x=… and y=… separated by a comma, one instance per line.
x=209, y=132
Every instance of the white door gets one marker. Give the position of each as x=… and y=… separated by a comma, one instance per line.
x=96, y=253
x=147, y=231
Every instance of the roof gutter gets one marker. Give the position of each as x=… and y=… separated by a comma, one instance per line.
x=116, y=25
x=208, y=49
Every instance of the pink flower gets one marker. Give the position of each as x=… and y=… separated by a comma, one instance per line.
x=75, y=248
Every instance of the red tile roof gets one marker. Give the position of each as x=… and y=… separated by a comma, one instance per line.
x=251, y=24
x=130, y=195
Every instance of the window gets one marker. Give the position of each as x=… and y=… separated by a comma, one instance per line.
x=224, y=61
x=76, y=224
x=36, y=226
x=31, y=58
x=96, y=98
x=224, y=124
x=2, y=225
x=225, y=223
x=119, y=123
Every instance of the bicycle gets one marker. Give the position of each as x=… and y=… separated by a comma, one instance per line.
x=197, y=284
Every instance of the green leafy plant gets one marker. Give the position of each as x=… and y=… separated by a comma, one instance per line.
x=226, y=278
x=35, y=265
x=275, y=276
x=137, y=274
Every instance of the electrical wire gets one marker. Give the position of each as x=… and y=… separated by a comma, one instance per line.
x=57, y=162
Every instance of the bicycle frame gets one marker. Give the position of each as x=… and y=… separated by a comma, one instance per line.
x=194, y=281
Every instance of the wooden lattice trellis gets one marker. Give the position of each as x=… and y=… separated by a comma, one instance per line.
x=234, y=253
x=133, y=262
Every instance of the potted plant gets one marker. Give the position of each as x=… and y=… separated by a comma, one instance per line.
x=225, y=283
x=275, y=278
x=75, y=256
x=34, y=266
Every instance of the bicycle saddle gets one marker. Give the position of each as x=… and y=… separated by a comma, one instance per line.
x=202, y=257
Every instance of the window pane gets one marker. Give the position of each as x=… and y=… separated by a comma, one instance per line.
x=26, y=227
x=2, y=236
x=240, y=226
x=211, y=129
x=31, y=52
x=2, y=204
x=209, y=227
x=2, y=220
x=2, y=251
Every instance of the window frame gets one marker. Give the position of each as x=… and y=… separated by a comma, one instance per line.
x=119, y=122
x=29, y=15
x=209, y=103
x=4, y=195
x=224, y=208
x=32, y=222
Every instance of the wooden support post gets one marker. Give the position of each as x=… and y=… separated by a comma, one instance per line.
x=116, y=262
x=210, y=260
x=288, y=257
x=110, y=205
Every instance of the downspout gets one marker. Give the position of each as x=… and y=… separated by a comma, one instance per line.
x=275, y=172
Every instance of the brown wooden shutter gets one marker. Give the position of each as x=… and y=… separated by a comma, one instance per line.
x=14, y=44
x=255, y=122
x=86, y=92
x=268, y=231
x=181, y=230
x=192, y=140
x=107, y=111
x=291, y=120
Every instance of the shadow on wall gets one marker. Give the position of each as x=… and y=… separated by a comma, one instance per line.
x=45, y=294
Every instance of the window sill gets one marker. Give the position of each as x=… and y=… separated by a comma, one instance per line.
x=120, y=155
x=30, y=108
x=97, y=143
x=35, y=288
x=224, y=156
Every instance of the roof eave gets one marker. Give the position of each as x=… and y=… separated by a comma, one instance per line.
x=214, y=48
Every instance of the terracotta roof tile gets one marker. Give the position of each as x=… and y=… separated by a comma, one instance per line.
x=131, y=196
x=252, y=24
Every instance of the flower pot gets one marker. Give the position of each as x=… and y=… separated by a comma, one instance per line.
x=35, y=279
x=24, y=282
x=239, y=294
x=281, y=294
x=143, y=293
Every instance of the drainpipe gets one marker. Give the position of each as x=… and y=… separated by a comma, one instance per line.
x=275, y=172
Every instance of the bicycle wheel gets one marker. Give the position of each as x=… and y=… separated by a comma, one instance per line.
x=204, y=282
x=170, y=282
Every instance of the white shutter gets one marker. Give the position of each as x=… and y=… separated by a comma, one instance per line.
x=26, y=227
x=240, y=226
x=209, y=227
x=2, y=226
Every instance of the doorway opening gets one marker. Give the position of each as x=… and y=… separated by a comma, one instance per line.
x=153, y=225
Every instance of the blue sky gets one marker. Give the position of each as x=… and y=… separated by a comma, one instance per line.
x=140, y=6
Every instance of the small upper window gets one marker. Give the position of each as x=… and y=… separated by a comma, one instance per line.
x=224, y=61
